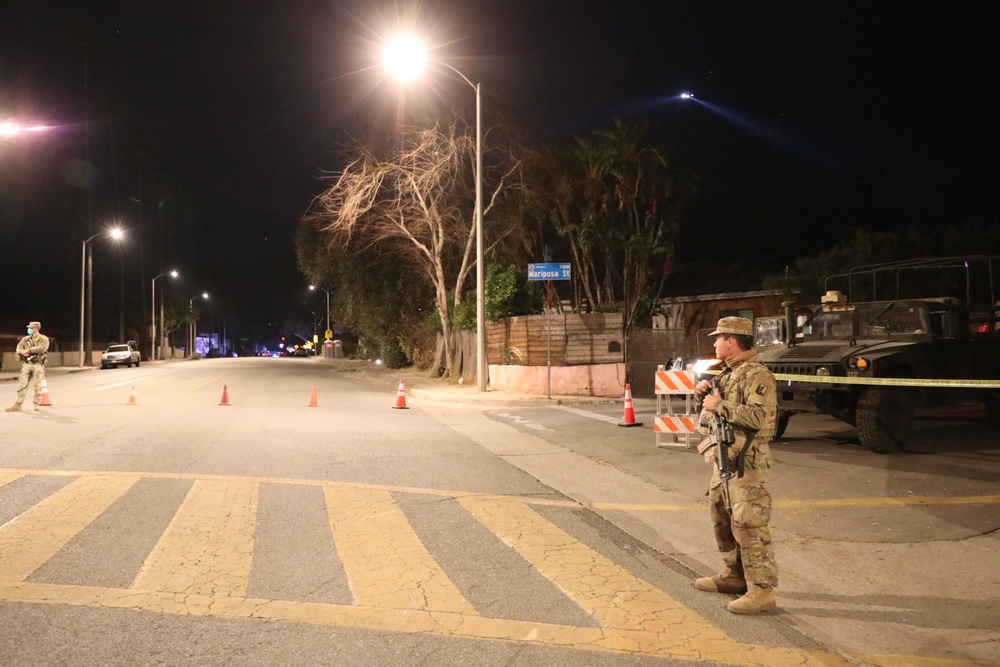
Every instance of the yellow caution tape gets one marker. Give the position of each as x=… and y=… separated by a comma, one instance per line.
x=890, y=382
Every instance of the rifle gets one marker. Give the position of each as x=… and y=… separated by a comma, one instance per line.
x=721, y=435
x=720, y=432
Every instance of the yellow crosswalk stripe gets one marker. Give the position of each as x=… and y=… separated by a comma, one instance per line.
x=612, y=595
x=208, y=547
x=386, y=564
x=37, y=535
x=7, y=476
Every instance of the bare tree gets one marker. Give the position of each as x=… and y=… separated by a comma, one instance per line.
x=416, y=202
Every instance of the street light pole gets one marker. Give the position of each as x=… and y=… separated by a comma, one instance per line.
x=313, y=287
x=86, y=287
x=192, y=325
x=480, y=273
x=152, y=323
x=406, y=56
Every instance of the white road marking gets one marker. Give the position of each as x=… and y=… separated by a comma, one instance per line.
x=587, y=413
x=521, y=421
x=132, y=380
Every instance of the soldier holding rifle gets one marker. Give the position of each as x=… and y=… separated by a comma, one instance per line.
x=31, y=351
x=739, y=411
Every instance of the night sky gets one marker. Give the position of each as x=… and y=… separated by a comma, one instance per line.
x=210, y=124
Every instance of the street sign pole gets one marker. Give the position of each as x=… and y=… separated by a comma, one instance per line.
x=548, y=328
x=549, y=272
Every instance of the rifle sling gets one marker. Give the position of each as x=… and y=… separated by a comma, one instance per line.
x=742, y=456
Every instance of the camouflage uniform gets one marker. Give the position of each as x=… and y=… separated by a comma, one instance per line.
x=749, y=404
x=36, y=347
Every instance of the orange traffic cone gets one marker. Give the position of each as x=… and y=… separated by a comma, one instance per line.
x=312, y=399
x=45, y=400
x=400, y=398
x=225, y=395
x=131, y=398
x=629, y=418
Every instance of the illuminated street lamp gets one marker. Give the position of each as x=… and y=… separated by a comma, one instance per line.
x=313, y=287
x=192, y=325
x=404, y=57
x=152, y=318
x=12, y=129
x=87, y=287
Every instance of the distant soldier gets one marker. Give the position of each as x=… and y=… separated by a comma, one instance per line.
x=744, y=396
x=33, y=350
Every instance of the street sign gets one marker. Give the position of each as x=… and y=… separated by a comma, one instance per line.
x=549, y=271
x=329, y=334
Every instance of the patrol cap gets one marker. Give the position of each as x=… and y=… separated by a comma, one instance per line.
x=739, y=326
x=34, y=325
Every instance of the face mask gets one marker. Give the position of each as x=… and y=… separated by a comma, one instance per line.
x=30, y=331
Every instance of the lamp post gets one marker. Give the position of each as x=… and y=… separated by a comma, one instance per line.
x=86, y=288
x=152, y=322
x=313, y=287
x=404, y=57
x=192, y=325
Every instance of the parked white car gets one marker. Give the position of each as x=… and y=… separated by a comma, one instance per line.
x=119, y=354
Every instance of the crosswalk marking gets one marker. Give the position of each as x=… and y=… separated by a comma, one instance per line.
x=606, y=590
x=37, y=535
x=208, y=548
x=386, y=563
x=202, y=563
x=888, y=501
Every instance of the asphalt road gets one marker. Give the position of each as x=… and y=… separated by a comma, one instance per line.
x=142, y=523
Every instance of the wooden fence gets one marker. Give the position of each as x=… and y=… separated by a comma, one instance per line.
x=593, y=338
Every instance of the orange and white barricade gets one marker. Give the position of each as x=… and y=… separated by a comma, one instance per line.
x=680, y=427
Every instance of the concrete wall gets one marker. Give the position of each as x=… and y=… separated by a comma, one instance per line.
x=590, y=380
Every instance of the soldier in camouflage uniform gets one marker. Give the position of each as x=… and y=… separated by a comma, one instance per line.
x=745, y=397
x=33, y=350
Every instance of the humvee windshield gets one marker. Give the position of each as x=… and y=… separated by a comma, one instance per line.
x=868, y=320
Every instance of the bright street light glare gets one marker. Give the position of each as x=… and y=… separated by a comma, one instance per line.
x=686, y=96
x=117, y=233
x=8, y=129
x=404, y=57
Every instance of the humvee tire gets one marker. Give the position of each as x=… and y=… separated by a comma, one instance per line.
x=884, y=418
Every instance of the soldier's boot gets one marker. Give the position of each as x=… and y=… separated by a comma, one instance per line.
x=757, y=600
x=14, y=408
x=37, y=407
x=726, y=581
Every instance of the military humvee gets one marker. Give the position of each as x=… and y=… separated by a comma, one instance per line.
x=873, y=362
